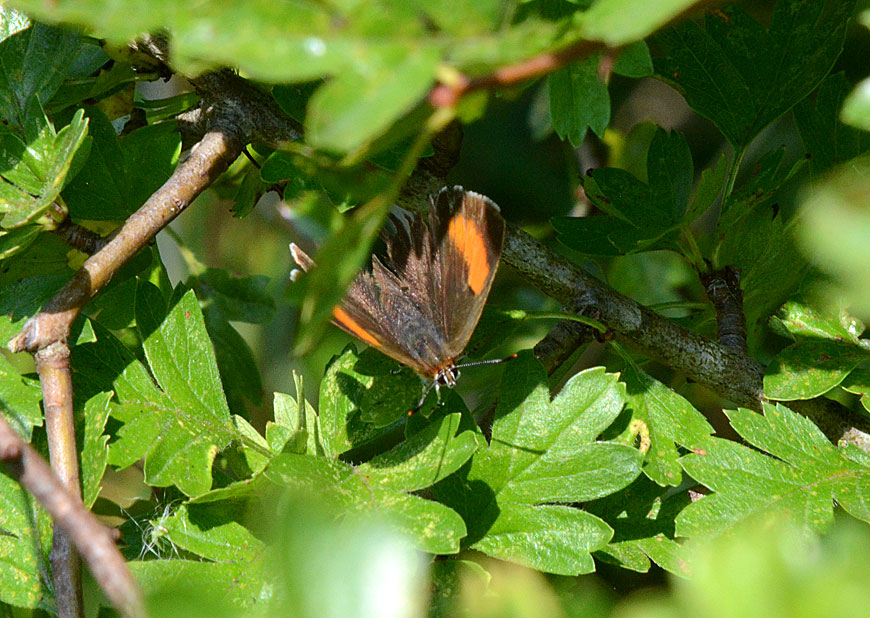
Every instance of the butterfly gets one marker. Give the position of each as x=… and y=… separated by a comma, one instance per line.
x=420, y=303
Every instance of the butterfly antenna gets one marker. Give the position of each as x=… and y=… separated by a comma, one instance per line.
x=494, y=361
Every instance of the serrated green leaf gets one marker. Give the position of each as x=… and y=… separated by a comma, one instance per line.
x=178, y=427
x=35, y=61
x=790, y=58
x=540, y=452
x=642, y=517
x=802, y=478
x=119, y=175
x=811, y=368
x=433, y=527
x=240, y=299
x=643, y=216
x=426, y=457
x=25, y=543
x=551, y=538
x=669, y=420
x=579, y=99
x=43, y=169
x=213, y=532
x=94, y=452
x=341, y=394
x=826, y=139
x=824, y=353
x=19, y=400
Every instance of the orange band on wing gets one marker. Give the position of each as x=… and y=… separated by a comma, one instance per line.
x=470, y=244
x=341, y=316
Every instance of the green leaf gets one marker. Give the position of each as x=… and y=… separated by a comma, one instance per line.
x=342, y=392
x=240, y=299
x=728, y=68
x=294, y=430
x=801, y=477
x=824, y=354
x=24, y=548
x=432, y=527
x=833, y=229
x=213, y=532
x=634, y=61
x=642, y=517
x=357, y=106
x=826, y=139
x=858, y=382
x=666, y=419
x=318, y=554
x=35, y=60
x=544, y=452
x=643, y=217
x=607, y=20
x=426, y=457
x=551, y=538
x=19, y=400
x=94, y=452
x=579, y=99
x=119, y=176
x=187, y=588
x=42, y=169
x=856, y=107
x=181, y=423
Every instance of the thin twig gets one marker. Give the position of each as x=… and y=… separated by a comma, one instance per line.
x=52, y=364
x=207, y=161
x=94, y=541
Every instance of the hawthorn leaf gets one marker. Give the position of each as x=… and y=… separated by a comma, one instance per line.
x=795, y=470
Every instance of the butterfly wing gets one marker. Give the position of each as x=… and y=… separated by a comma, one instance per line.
x=468, y=233
x=378, y=311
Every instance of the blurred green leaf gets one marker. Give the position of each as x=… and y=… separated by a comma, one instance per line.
x=355, y=107
x=544, y=452
x=197, y=589
x=642, y=217
x=790, y=58
x=606, y=20
x=801, y=477
x=376, y=571
x=856, y=107
x=833, y=229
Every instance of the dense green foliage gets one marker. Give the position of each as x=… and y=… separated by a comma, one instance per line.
x=330, y=501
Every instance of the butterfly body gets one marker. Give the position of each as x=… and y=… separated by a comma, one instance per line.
x=419, y=304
